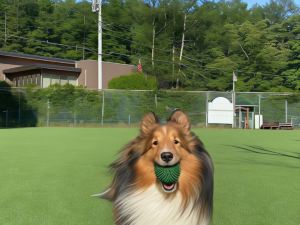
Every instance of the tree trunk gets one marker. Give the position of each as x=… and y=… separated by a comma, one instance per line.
x=182, y=41
x=153, y=42
x=181, y=49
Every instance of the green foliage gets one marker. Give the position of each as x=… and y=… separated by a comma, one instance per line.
x=135, y=81
x=13, y=105
x=261, y=44
x=65, y=102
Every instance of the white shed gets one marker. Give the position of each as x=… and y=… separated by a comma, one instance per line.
x=220, y=111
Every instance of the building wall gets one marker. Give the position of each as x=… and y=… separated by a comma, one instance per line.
x=5, y=64
x=89, y=69
x=88, y=76
x=89, y=72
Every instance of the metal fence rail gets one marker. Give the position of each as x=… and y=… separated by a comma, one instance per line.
x=81, y=107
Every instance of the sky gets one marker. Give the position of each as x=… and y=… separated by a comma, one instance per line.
x=262, y=2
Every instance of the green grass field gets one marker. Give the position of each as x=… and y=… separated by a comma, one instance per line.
x=48, y=174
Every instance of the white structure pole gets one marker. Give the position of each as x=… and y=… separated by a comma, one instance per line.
x=97, y=6
x=259, y=104
x=233, y=102
x=286, y=111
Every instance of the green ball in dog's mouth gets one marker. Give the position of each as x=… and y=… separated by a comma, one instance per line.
x=168, y=176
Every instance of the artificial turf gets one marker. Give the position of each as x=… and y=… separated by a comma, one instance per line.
x=48, y=174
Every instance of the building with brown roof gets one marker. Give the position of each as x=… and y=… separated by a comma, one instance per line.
x=23, y=69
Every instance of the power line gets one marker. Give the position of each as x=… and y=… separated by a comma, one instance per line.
x=127, y=55
x=110, y=53
x=170, y=50
x=139, y=44
x=112, y=25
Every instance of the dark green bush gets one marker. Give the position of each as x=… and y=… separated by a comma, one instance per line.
x=135, y=81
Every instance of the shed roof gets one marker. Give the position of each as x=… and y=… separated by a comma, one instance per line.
x=36, y=57
x=41, y=66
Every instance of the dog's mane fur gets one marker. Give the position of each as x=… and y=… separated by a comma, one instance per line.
x=124, y=175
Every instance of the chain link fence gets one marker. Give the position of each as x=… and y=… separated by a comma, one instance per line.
x=76, y=107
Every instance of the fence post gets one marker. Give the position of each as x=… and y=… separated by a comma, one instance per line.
x=74, y=119
x=129, y=119
x=155, y=100
x=286, y=111
x=206, y=108
x=102, y=111
x=6, y=118
x=48, y=108
x=19, y=107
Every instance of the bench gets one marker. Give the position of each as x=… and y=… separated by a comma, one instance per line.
x=271, y=126
x=286, y=126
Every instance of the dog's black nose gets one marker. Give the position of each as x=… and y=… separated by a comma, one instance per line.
x=166, y=156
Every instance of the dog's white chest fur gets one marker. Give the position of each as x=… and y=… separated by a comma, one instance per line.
x=151, y=207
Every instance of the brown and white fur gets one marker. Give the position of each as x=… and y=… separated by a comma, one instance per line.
x=140, y=199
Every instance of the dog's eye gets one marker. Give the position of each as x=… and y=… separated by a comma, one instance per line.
x=176, y=142
x=155, y=142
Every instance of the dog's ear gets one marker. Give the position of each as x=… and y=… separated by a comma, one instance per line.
x=180, y=118
x=148, y=121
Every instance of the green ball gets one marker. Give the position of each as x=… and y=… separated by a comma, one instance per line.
x=167, y=175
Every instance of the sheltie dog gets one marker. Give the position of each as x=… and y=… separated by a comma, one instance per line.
x=139, y=198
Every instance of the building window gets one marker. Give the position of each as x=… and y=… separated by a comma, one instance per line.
x=64, y=80
x=24, y=80
x=29, y=81
x=33, y=79
x=55, y=79
x=72, y=80
x=38, y=80
x=46, y=81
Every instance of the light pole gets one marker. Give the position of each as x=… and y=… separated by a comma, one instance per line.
x=96, y=7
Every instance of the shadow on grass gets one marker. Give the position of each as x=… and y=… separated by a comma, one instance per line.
x=263, y=151
x=296, y=153
x=281, y=164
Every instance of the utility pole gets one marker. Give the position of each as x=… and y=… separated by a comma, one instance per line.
x=96, y=7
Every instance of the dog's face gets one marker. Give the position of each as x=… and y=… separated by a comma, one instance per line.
x=166, y=145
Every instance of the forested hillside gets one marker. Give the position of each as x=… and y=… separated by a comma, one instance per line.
x=192, y=45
